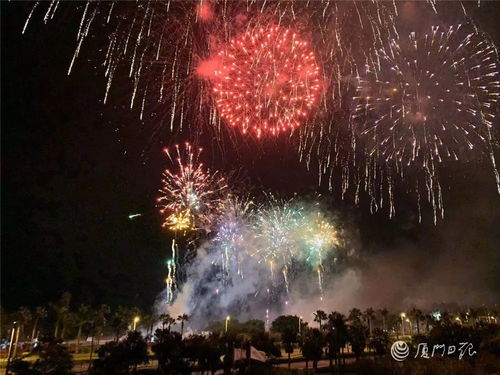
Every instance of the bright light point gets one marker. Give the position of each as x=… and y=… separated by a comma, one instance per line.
x=208, y=68
x=204, y=11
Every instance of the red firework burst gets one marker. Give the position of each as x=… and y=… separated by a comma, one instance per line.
x=265, y=80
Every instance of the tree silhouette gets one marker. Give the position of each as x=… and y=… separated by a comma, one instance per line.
x=23, y=317
x=357, y=338
x=83, y=317
x=336, y=336
x=384, y=313
x=53, y=359
x=40, y=314
x=286, y=322
x=417, y=316
x=183, y=318
x=149, y=321
x=288, y=337
x=379, y=341
x=118, y=357
x=167, y=320
x=68, y=321
x=312, y=346
x=369, y=316
x=168, y=350
x=61, y=308
x=99, y=318
x=120, y=321
x=355, y=316
x=320, y=316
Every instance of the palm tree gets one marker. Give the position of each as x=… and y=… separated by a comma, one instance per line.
x=83, y=317
x=411, y=315
x=336, y=336
x=357, y=339
x=40, y=314
x=183, y=318
x=429, y=321
x=384, y=313
x=99, y=318
x=474, y=315
x=120, y=321
x=355, y=316
x=419, y=316
x=393, y=321
x=23, y=317
x=446, y=318
x=288, y=337
x=320, y=316
x=61, y=308
x=68, y=320
x=149, y=321
x=166, y=320
x=369, y=315
x=312, y=346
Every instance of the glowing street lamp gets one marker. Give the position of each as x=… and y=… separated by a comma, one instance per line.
x=227, y=321
x=136, y=320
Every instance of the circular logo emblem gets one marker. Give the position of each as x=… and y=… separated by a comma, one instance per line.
x=400, y=350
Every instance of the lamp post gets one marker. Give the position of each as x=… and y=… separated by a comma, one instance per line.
x=14, y=329
x=227, y=321
x=136, y=320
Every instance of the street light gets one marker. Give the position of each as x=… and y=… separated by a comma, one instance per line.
x=136, y=320
x=227, y=321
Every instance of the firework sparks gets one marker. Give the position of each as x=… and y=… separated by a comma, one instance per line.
x=171, y=279
x=191, y=193
x=232, y=228
x=276, y=243
x=428, y=98
x=265, y=81
x=320, y=236
x=179, y=221
x=272, y=66
x=259, y=254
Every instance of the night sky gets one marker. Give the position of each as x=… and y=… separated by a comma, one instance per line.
x=73, y=169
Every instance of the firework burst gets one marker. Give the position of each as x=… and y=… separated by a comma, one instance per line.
x=190, y=197
x=232, y=230
x=200, y=65
x=320, y=237
x=429, y=97
x=190, y=193
x=276, y=243
x=265, y=81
